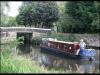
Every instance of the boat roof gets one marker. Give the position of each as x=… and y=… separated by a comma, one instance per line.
x=55, y=40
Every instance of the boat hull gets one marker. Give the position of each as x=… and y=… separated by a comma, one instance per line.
x=62, y=54
x=87, y=52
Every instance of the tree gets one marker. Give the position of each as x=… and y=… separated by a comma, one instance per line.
x=39, y=14
x=3, y=20
x=11, y=21
x=25, y=16
x=84, y=15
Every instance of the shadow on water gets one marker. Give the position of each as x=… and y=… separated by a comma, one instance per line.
x=56, y=61
x=24, y=47
x=25, y=38
x=81, y=65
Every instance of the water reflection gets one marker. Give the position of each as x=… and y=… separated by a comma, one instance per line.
x=81, y=66
x=25, y=48
x=55, y=62
x=87, y=67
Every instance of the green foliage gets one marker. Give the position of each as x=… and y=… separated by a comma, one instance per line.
x=38, y=14
x=6, y=21
x=11, y=21
x=36, y=41
x=63, y=37
x=20, y=40
x=81, y=17
x=3, y=19
x=12, y=63
x=25, y=16
x=66, y=24
x=69, y=16
x=25, y=66
x=72, y=38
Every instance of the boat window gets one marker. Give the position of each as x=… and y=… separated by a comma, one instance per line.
x=65, y=47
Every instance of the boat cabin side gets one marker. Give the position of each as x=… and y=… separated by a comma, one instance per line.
x=69, y=47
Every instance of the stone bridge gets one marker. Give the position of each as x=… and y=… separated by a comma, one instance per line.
x=24, y=29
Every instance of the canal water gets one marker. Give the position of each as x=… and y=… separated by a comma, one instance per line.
x=53, y=61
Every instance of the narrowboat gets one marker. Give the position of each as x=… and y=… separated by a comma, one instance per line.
x=67, y=48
